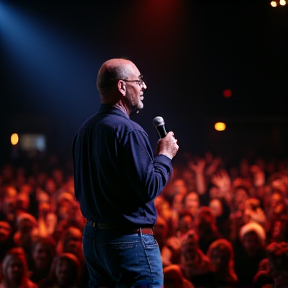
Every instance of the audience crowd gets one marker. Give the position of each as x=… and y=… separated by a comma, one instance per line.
x=217, y=226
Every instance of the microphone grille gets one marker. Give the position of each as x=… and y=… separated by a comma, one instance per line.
x=158, y=121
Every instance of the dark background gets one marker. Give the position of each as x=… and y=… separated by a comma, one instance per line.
x=189, y=51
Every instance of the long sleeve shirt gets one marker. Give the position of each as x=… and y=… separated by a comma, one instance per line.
x=116, y=175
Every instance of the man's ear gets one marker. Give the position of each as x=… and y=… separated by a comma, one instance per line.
x=122, y=87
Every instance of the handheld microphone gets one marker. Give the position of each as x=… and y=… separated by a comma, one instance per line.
x=160, y=126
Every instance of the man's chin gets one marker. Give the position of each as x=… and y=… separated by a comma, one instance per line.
x=138, y=108
x=140, y=105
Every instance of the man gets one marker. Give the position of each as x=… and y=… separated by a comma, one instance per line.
x=117, y=178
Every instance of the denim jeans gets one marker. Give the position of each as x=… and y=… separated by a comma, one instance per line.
x=117, y=260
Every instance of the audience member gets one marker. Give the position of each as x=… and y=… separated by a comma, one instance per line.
x=206, y=228
x=277, y=254
x=71, y=242
x=43, y=253
x=14, y=270
x=253, y=212
x=65, y=273
x=248, y=206
x=240, y=194
x=6, y=238
x=263, y=275
x=173, y=278
x=8, y=205
x=248, y=253
x=195, y=265
x=278, y=230
x=221, y=255
x=27, y=233
x=191, y=202
x=221, y=212
x=171, y=250
x=160, y=232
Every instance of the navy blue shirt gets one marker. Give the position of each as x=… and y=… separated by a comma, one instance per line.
x=116, y=174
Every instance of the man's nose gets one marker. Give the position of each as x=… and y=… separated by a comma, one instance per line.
x=144, y=86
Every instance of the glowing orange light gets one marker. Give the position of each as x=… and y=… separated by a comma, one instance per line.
x=220, y=126
x=282, y=2
x=227, y=93
x=273, y=3
x=14, y=139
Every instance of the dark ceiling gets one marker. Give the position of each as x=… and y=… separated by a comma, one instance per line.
x=189, y=52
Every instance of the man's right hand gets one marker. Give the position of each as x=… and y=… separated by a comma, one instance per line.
x=168, y=146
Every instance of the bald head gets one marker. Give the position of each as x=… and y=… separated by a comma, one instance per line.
x=109, y=73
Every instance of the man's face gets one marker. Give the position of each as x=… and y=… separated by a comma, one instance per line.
x=134, y=91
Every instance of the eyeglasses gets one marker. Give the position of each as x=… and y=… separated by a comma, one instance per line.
x=140, y=81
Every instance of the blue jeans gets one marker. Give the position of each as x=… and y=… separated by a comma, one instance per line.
x=117, y=260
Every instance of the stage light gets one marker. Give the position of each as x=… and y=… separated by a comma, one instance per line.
x=220, y=126
x=14, y=139
x=227, y=93
x=276, y=3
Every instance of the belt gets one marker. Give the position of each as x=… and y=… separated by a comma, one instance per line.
x=110, y=226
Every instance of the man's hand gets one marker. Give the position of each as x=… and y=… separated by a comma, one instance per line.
x=167, y=146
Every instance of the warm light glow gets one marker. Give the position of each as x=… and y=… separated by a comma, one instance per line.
x=273, y=3
x=282, y=2
x=227, y=93
x=220, y=126
x=14, y=139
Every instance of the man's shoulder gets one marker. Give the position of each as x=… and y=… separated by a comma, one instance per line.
x=114, y=121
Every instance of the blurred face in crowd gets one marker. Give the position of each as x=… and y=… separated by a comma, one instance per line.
x=5, y=231
x=73, y=241
x=177, y=203
x=26, y=226
x=160, y=231
x=42, y=256
x=10, y=199
x=189, y=247
x=58, y=176
x=23, y=201
x=50, y=186
x=275, y=200
x=186, y=223
x=15, y=269
x=180, y=187
x=219, y=258
x=205, y=221
x=216, y=207
x=65, y=270
x=192, y=202
x=251, y=242
x=240, y=198
x=276, y=231
x=164, y=210
x=214, y=192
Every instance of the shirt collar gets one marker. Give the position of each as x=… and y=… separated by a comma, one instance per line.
x=104, y=108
